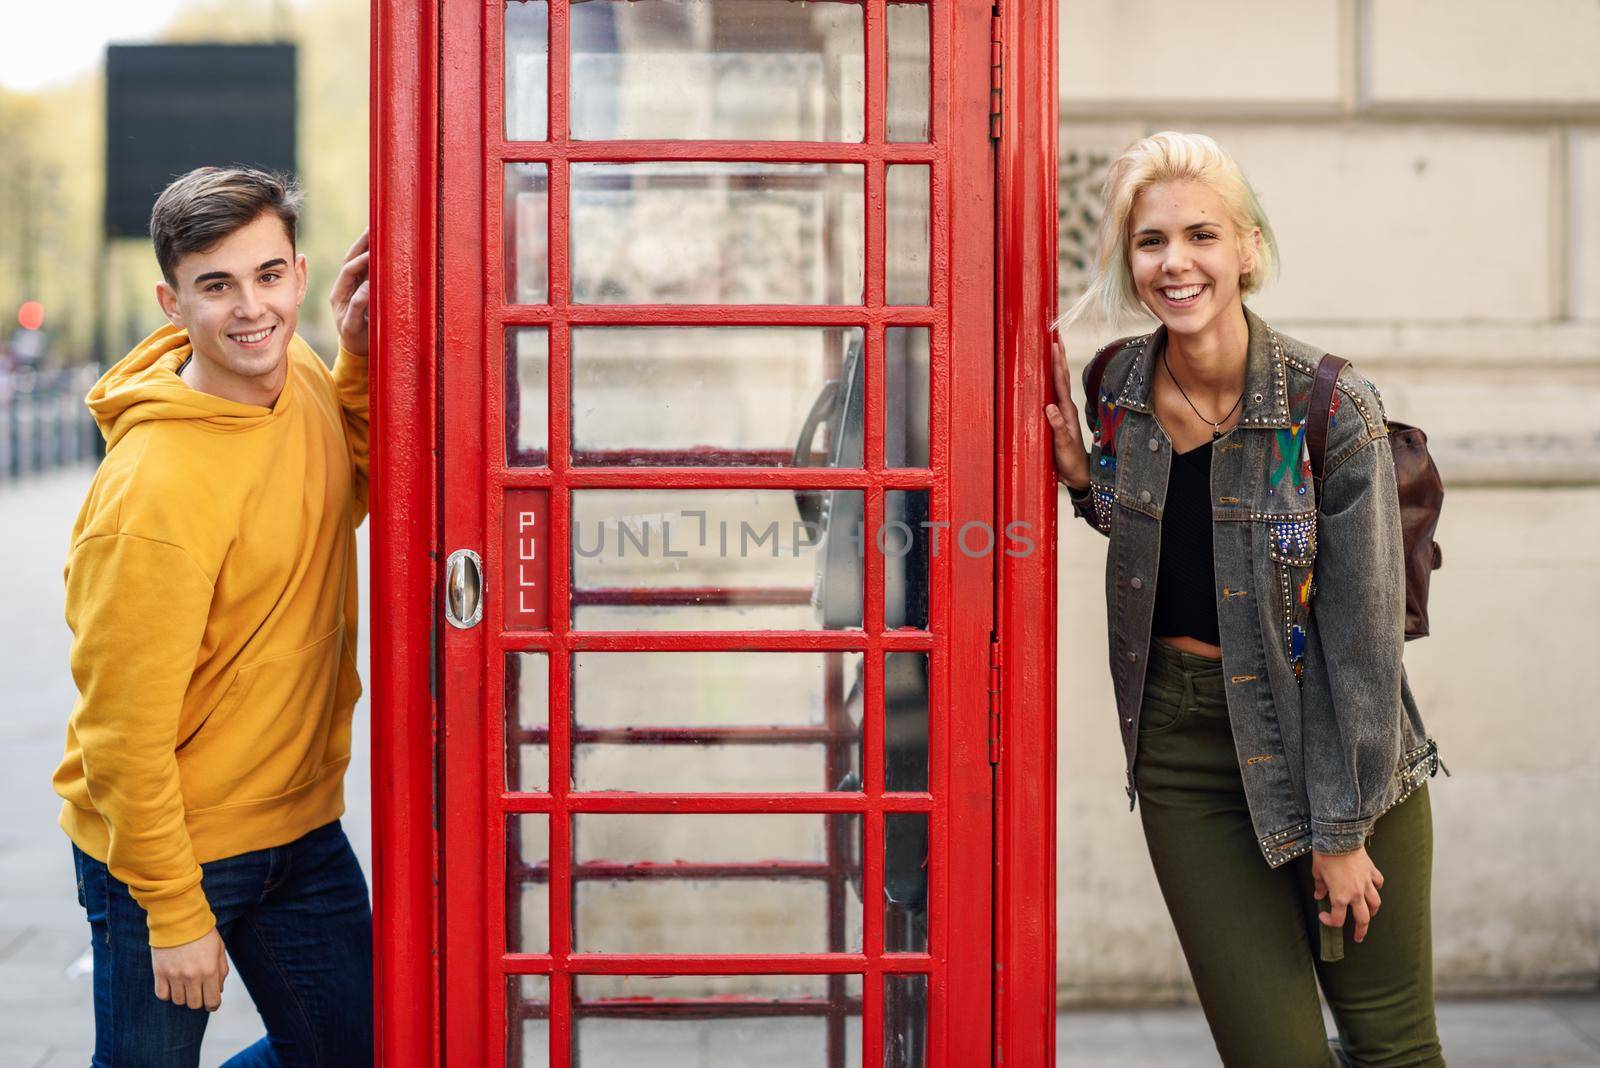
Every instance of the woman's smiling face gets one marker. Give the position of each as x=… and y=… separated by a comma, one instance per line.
x=1185, y=256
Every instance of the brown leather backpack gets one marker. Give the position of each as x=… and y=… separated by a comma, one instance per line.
x=1421, y=490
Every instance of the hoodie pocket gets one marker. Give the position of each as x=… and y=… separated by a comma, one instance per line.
x=269, y=734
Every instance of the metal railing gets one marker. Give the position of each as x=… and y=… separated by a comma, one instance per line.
x=44, y=424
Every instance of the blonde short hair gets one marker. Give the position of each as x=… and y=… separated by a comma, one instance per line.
x=1167, y=157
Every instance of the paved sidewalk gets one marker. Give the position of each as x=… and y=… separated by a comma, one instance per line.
x=1546, y=1031
x=45, y=1016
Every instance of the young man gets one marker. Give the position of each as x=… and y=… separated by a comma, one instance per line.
x=211, y=592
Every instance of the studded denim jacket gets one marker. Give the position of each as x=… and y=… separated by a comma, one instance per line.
x=1310, y=604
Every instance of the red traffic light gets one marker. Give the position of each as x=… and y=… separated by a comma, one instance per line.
x=31, y=315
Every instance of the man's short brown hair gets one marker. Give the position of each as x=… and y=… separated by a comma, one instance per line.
x=202, y=207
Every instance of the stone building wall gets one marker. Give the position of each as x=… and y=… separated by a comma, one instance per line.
x=1432, y=170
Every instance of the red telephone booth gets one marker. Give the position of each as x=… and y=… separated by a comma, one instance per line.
x=712, y=529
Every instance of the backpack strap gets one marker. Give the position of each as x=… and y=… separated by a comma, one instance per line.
x=1318, y=409
x=1095, y=372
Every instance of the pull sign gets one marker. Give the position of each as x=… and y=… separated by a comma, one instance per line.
x=463, y=589
x=527, y=559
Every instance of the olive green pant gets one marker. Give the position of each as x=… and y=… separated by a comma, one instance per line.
x=1249, y=932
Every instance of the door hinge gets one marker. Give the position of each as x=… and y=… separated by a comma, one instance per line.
x=995, y=80
x=994, y=700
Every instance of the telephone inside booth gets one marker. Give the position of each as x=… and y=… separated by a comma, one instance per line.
x=836, y=598
x=838, y=517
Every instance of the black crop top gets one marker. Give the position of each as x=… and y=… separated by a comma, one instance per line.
x=1186, y=578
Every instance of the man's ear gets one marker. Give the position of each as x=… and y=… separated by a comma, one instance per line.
x=167, y=297
x=301, y=278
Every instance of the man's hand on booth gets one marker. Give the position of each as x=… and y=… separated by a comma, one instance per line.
x=192, y=974
x=349, y=298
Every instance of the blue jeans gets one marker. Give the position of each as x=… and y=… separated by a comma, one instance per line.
x=298, y=928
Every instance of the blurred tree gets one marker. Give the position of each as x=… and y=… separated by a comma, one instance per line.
x=38, y=214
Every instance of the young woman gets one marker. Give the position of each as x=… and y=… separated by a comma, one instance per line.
x=1256, y=632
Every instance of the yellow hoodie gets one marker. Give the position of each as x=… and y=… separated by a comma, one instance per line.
x=211, y=592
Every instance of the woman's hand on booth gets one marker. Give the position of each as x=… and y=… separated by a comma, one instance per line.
x=350, y=297
x=1349, y=881
x=1072, y=460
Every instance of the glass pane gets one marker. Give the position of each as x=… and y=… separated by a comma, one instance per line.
x=905, y=1021
x=904, y=542
x=770, y=396
x=528, y=1021
x=716, y=559
x=909, y=73
x=717, y=233
x=527, y=703
x=906, y=233
x=906, y=384
x=717, y=1021
x=528, y=883
x=527, y=58
x=527, y=395
x=703, y=883
x=716, y=722
x=747, y=70
x=905, y=882
x=905, y=715
x=527, y=233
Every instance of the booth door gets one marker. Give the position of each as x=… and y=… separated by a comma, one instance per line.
x=716, y=375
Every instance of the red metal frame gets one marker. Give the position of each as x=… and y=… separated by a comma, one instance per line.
x=1025, y=818
x=405, y=240
x=436, y=179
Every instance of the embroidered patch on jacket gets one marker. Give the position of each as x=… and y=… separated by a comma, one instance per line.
x=1293, y=458
x=1370, y=384
x=1295, y=542
x=1104, y=499
x=1296, y=537
x=1111, y=416
x=1296, y=602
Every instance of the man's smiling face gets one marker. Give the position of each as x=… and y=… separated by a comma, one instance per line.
x=240, y=302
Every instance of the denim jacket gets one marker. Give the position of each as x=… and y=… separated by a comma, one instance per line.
x=1310, y=602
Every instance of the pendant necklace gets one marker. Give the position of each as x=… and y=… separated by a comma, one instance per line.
x=1216, y=426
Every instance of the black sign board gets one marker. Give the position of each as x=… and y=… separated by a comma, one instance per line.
x=172, y=108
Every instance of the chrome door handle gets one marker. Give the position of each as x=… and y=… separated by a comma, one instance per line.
x=463, y=589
